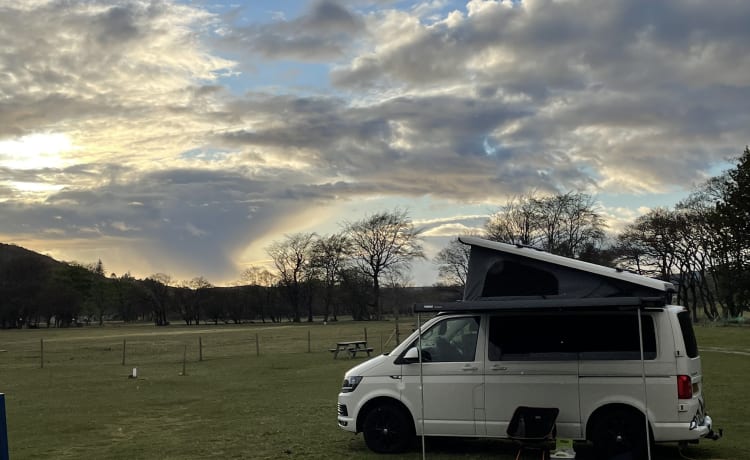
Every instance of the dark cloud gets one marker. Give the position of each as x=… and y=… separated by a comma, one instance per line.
x=591, y=84
x=196, y=217
x=324, y=32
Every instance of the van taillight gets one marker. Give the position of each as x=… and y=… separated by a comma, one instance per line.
x=684, y=387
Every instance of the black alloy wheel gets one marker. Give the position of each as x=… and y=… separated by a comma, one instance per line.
x=387, y=429
x=619, y=434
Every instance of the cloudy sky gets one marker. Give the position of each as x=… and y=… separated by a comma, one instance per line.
x=184, y=137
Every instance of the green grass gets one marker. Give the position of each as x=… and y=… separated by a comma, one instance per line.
x=236, y=405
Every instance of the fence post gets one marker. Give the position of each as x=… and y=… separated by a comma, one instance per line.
x=3, y=430
x=184, y=361
x=200, y=348
x=257, y=345
x=365, y=334
x=309, y=347
x=41, y=353
x=123, y=352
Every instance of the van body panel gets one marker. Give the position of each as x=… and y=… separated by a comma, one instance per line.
x=510, y=384
x=449, y=395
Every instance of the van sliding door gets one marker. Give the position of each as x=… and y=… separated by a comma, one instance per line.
x=529, y=362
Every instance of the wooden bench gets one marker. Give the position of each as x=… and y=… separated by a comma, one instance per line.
x=351, y=348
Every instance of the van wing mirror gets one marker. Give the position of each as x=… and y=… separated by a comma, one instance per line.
x=412, y=356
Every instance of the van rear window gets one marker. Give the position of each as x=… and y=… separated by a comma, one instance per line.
x=688, y=335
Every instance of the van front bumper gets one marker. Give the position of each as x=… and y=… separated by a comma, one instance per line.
x=345, y=421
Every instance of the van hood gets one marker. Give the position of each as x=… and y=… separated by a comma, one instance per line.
x=367, y=367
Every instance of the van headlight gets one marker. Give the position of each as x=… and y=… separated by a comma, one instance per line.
x=350, y=383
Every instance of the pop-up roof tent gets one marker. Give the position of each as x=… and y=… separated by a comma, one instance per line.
x=507, y=276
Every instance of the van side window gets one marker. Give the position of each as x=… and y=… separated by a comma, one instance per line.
x=451, y=340
x=615, y=336
x=532, y=337
x=590, y=336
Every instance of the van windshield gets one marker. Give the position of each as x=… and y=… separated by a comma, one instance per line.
x=688, y=335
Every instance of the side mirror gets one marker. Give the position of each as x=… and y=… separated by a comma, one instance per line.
x=412, y=356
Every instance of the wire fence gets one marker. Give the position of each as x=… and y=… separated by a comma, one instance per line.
x=130, y=346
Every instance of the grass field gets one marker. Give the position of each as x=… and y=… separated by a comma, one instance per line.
x=237, y=403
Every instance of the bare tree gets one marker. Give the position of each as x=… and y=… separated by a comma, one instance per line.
x=261, y=291
x=453, y=263
x=329, y=255
x=517, y=222
x=383, y=242
x=292, y=260
x=652, y=239
x=158, y=287
x=213, y=309
x=568, y=224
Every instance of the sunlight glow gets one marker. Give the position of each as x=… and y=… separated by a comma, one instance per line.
x=35, y=151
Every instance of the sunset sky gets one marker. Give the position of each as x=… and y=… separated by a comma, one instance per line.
x=185, y=137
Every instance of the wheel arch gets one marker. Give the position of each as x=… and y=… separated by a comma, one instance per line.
x=606, y=409
x=380, y=400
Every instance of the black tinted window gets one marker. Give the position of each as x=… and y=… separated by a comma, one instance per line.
x=509, y=278
x=567, y=337
x=688, y=335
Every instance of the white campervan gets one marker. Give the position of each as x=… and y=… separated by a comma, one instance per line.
x=602, y=346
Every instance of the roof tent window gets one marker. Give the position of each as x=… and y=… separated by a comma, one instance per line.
x=510, y=278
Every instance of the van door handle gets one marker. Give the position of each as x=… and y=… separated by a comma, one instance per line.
x=469, y=368
x=499, y=368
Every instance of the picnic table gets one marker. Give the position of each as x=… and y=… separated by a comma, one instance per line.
x=352, y=348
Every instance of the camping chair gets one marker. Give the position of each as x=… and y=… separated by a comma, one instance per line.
x=534, y=428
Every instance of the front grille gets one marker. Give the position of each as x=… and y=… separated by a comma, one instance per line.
x=342, y=410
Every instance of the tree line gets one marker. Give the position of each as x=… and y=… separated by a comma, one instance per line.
x=702, y=245
x=359, y=271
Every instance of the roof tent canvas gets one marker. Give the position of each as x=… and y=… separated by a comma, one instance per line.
x=507, y=276
x=499, y=270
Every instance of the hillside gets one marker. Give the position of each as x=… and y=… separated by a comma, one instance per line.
x=12, y=254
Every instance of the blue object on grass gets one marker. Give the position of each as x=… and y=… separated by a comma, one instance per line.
x=3, y=430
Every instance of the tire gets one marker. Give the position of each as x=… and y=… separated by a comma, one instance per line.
x=388, y=429
x=619, y=434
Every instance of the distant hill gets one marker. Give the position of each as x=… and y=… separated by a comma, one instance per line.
x=13, y=254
